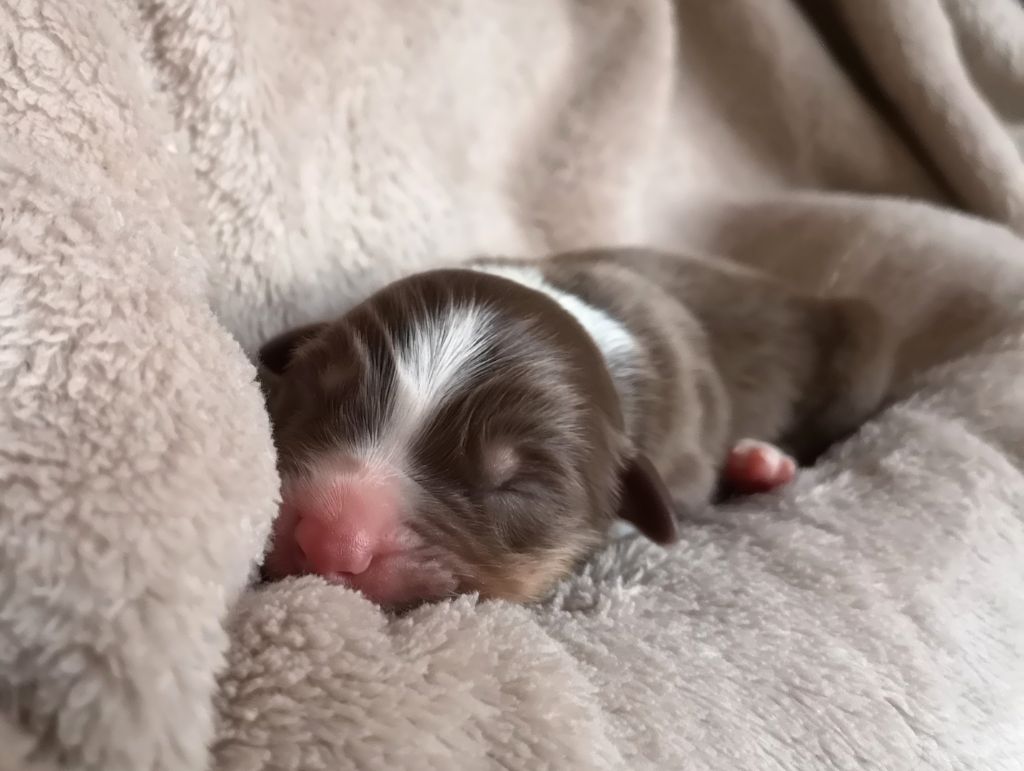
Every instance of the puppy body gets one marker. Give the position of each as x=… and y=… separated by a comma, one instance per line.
x=706, y=353
x=480, y=429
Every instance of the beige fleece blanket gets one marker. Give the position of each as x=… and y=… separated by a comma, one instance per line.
x=181, y=178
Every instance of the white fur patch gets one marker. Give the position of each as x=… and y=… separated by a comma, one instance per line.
x=435, y=360
x=615, y=342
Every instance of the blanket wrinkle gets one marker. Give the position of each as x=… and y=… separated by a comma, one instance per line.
x=180, y=179
x=918, y=63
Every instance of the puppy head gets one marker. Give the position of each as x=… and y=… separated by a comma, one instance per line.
x=456, y=432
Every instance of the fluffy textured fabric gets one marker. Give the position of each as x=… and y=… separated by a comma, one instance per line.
x=180, y=179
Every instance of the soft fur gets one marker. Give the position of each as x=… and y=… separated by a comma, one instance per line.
x=181, y=179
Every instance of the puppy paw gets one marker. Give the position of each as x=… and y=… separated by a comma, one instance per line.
x=757, y=467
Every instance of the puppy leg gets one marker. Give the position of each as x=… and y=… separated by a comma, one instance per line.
x=855, y=358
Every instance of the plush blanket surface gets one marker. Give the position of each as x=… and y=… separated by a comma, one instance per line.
x=180, y=179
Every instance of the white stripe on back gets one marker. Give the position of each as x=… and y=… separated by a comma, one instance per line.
x=616, y=343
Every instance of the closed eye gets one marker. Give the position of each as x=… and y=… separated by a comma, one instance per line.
x=526, y=482
x=516, y=487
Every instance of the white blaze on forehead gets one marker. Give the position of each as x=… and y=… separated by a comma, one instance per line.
x=615, y=342
x=439, y=355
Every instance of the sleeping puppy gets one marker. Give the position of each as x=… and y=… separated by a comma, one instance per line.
x=482, y=428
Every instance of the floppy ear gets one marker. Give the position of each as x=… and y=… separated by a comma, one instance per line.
x=646, y=502
x=276, y=354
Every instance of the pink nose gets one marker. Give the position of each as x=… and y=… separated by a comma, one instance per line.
x=332, y=550
x=345, y=526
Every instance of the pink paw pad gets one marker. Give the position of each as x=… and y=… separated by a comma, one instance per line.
x=757, y=467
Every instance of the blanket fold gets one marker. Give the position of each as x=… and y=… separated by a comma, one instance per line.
x=181, y=179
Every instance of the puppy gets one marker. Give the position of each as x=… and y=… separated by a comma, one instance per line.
x=481, y=428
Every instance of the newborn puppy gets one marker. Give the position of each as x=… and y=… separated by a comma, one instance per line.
x=481, y=429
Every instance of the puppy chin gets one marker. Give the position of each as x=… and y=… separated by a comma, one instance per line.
x=400, y=582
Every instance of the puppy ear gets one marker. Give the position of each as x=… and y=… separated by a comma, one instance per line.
x=267, y=379
x=276, y=354
x=646, y=503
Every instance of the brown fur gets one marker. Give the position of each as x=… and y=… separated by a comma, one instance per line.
x=521, y=472
x=731, y=353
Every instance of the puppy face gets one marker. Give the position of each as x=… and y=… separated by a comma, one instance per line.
x=456, y=432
